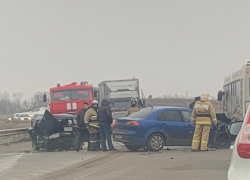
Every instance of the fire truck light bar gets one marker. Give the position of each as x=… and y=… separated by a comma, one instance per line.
x=84, y=82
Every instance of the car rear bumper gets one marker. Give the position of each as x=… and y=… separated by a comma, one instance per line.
x=128, y=137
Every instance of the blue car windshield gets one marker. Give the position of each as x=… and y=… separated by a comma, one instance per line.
x=143, y=113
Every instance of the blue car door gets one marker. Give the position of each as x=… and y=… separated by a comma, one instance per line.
x=172, y=126
x=189, y=127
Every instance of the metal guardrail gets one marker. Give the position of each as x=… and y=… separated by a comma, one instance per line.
x=13, y=135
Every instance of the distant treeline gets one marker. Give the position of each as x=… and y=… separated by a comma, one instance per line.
x=15, y=103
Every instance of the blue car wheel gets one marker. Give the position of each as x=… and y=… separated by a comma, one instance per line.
x=156, y=142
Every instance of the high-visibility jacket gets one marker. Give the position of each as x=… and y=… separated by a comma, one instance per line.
x=91, y=118
x=132, y=110
x=203, y=113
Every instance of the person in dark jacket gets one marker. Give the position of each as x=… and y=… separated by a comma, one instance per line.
x=105, y=119
x=82, y=128
x=191, y=106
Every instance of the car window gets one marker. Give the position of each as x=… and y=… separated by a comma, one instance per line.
x=187, y=115
x=169, y=115
x=24, y=115
x=143, y=113
x=235, y=128
x=118, y=115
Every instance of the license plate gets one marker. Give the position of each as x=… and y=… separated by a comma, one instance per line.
x=56, y=135
x=67, y=128
x=118, y=136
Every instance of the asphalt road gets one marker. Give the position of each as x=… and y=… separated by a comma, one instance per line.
x=19, y=162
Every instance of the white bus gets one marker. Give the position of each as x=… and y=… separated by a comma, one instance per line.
x=236, y=93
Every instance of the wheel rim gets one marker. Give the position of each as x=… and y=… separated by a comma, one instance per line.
x=156, y=142
x=222, y=141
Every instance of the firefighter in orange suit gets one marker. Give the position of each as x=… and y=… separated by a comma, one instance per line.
x=202, y=117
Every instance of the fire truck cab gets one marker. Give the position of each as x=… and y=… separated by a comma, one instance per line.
x=69, y=98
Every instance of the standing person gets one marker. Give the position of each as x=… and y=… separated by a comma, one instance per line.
x=92, y=124
x=191, y=106
x=134, y=108
x=105, y=119
x=82, y=128
x=201, y=117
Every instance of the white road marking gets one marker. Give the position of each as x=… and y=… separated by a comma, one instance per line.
x=9, y=162
x=10, y=154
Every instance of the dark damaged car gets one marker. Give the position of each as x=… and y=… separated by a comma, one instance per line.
x=55, y=132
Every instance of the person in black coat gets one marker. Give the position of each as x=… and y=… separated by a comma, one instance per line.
x=105, y=119
x=191, y=106
x=82, y=128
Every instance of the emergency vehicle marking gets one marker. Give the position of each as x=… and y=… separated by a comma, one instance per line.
x=68, y=106
x=74, y=106
x=202, y=106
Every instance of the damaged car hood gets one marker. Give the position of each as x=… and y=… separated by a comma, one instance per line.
x=50, y=124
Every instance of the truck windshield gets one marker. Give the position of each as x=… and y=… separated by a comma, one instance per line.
x=120, y=105
x=71, y=94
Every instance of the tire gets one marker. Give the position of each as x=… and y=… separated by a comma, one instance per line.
x=47, y=146
x=35, y=147
x=156, y=142
x=132, y=148
x=223, y=141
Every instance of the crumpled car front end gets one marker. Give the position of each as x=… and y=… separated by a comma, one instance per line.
x=54, y=132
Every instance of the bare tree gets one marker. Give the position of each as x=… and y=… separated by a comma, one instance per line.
x=5, y=103
x=26, y=105
x=37, y=100
x=17, y=101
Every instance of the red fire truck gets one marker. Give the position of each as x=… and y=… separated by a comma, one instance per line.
x=70, y=98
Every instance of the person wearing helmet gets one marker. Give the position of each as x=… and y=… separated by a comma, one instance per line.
x=134, y=107
x=202, y=114
x=92, y=124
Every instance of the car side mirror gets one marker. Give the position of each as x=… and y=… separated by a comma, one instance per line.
x=44, y=98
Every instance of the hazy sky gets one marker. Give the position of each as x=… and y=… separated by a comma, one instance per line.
x=170, y=45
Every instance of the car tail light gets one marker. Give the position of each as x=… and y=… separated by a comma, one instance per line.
x=243, y=143
x=132, y=123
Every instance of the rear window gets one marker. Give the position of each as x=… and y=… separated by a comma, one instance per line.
x=143, y=113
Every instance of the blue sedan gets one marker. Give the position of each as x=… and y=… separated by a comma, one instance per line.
x=154, y=128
